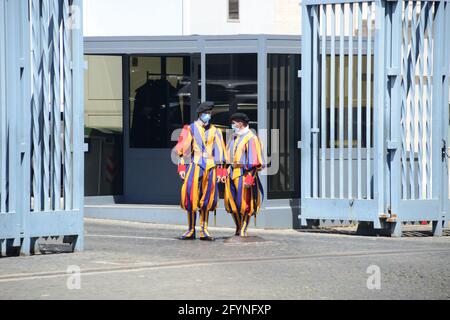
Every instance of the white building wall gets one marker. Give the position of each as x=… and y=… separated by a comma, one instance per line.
x=132, y=17
x=187, y=17
x=211, y=17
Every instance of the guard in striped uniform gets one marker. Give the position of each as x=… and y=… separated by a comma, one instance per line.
x=243, y=190
x=201, y=152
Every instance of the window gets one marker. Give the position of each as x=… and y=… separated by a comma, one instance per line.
x=160, y=88
x=283, y=103
x=231, y=83
x=103, y=129
x=233, y=9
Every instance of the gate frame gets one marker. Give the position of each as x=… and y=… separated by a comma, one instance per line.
x=345, y=205
x=387, y=82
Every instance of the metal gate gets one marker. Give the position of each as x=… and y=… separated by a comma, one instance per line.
x=372, y=146
x=41, y=123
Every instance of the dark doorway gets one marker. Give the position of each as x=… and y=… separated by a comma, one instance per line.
x=163, y=90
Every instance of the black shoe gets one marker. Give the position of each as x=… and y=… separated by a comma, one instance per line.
x=183, y=237
x=207, y=238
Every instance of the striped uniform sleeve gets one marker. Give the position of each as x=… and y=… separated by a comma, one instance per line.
x=183, y=146
x=219, y=149
x=254, y=157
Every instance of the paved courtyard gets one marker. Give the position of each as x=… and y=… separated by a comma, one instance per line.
x=129, y=260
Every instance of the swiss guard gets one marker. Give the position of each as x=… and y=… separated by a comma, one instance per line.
x=243, y=189
x=201, y=151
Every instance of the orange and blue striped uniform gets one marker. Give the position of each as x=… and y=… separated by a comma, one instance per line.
x=246, y=158
x=201, y=149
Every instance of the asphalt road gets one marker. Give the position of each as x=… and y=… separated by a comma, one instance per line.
x=128, y=260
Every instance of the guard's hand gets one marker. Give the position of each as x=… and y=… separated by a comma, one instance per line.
x=182, y=174
x=249, y=181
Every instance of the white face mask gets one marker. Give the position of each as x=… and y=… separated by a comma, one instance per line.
x=205, y=117
x=235, y=128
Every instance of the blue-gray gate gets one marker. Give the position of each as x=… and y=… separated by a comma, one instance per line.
x=374, y=147
x=41, y=123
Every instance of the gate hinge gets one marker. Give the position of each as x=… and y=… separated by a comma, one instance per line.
x=392, y=145
x=299, y=73
x=86, y=147
x=23, y=147
x=299, y=144
x=393, y=72
x=315, y=130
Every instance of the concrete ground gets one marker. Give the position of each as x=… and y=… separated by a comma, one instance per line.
x=130, y=260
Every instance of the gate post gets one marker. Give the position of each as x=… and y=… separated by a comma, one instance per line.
x=24, y=127
x=78, y=117
x=437, y=102
x=393, y=71
x=447, y=98
x=306, y=89
x=441, y=100
x=381, y=167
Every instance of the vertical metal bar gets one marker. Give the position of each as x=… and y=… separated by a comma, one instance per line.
x=306, y=103
x=445, y=129
x=126, y=59
x=56, y=112
x=315, y=106
x=404, y=108
x=202, y=70
x=45, y=21
x=12, y=104
x=380, y=164
x=3, y=190
x=24, y=128
x=412, y=105
x=359, y=98
x=341, y=101
x=395, y=95
x=437, y=103
x=420, y=119
x=332, y=99
x=385, y=56
x=68, y=108
x=78, y=117
x=285, y=122
x=368, y=101
x=350, y=103
x=36, y=103
x=262, y=96
x=439, y=58
x=428, y=63
x=278, y=106
x=323, y=99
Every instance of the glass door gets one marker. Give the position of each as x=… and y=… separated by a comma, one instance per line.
x=162, y=96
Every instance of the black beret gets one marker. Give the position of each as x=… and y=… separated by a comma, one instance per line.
x=238, y=116
x=205, y=106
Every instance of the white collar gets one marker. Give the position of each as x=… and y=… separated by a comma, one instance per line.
x=201, y=123
x=243, y=131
